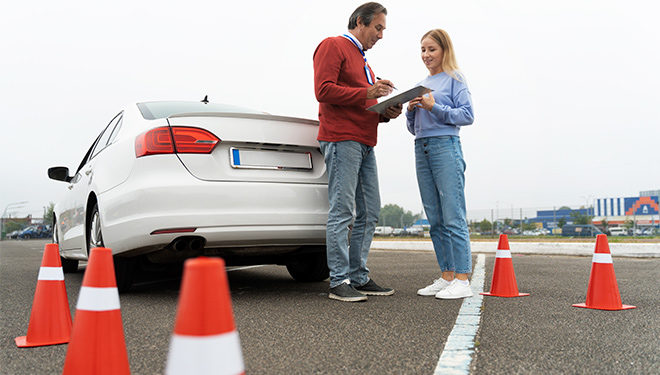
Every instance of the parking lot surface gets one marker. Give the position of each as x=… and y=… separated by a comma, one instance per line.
x=287, y=327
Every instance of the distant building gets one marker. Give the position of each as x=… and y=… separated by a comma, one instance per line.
x=550, y=218
x=422, y=223
x=642, y=210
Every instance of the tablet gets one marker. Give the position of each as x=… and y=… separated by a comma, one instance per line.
x=404, y=97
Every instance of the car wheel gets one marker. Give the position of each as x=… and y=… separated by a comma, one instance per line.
x=94, y=234
x=27, y=237
x=124, y=271
x=309, y=267
x=124, y=267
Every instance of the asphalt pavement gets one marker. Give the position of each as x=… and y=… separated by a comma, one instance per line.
x=287, y=327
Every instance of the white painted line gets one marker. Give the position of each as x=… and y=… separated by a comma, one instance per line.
x=245, y=268
x=459, y=348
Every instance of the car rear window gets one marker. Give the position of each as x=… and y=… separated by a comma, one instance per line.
x=156, y=110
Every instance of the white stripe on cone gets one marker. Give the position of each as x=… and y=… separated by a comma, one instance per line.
x=98, y=299
x=502, y=254
x=602, y=258
x=216, y=354
x=51, y=273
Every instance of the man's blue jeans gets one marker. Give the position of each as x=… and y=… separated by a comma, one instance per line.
x=352, y=187
x=441, y=179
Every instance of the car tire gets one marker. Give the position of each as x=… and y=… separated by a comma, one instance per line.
x=69, y=265
x=124, y=267
x=124, y=271
x=309, y=267
x=26, y=237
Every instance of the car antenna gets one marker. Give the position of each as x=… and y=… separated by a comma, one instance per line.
x=206, y=99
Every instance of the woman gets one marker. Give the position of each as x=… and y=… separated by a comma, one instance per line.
x=435, y=120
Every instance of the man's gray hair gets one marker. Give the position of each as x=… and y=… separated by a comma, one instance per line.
x=367, y=12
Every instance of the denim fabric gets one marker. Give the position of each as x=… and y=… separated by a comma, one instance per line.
x=440, y=176
x=352, y=187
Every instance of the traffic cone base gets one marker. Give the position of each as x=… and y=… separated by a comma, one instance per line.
x=623, y=307
x=50, y=318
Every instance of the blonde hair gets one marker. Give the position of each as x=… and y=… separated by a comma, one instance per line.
x=449, y=64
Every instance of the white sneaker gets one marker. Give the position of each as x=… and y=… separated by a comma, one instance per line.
x=455, y=290
x=434, y=288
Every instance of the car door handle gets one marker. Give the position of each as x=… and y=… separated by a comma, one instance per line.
x=87, y=172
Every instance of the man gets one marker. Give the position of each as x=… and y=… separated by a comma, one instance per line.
x=345, y=87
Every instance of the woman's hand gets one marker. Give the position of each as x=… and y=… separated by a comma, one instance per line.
x=413, y=104
x=426, y=102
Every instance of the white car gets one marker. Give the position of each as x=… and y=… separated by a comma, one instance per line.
x=618, y=231
x=383, y=231
x=165, y=181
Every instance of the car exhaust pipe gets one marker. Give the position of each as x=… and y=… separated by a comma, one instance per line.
x=180, y=244
x=196, y=244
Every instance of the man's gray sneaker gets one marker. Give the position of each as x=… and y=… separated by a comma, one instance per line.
x=372, y=289
x=345, y=292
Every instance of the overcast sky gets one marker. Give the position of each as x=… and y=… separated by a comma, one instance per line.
x=565, y=92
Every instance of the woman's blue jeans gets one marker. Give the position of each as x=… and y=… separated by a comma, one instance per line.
x=352, y=187
x=441, y=179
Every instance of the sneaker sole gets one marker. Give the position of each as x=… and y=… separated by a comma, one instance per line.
x=427, y=295
x=454, y=297
x=347, y=299
x=389, y=293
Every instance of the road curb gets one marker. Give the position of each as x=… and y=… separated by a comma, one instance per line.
x=627, y=250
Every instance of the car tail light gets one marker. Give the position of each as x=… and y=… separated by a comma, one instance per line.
x=187, y=140
x=154, y=141
x=193, y=140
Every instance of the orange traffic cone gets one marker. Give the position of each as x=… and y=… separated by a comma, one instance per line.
x=504, y=278
x=205, y=340
x=50, y=319
x=603, y=291
x=97, y=340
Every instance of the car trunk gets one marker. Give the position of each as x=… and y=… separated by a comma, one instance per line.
x=255, y=147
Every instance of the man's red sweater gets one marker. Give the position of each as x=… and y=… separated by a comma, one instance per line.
x=340, y=84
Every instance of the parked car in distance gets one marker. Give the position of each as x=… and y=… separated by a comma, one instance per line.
x=649, y=231
x=618, y=231
x=580, y=230
x=166, y=181
x=34, y=231
x=383, y=231
x=415, y=231
x=398, y=232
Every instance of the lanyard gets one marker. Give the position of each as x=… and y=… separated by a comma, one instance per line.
x=367, y=71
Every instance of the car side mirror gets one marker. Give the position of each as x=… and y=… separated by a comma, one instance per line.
x=59, y=174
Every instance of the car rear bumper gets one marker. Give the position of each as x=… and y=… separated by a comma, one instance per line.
x=224, y=213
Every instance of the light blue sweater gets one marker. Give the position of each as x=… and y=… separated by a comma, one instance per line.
x=452, y=108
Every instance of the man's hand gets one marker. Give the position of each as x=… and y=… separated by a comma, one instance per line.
x=382, y=87
x=393, y=111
